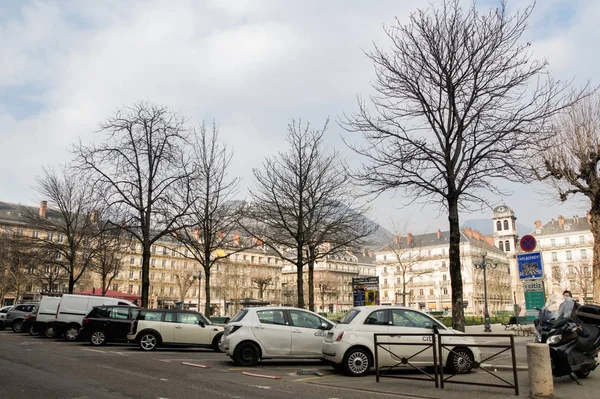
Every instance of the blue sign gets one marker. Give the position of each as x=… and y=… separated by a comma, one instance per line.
x=530, y=265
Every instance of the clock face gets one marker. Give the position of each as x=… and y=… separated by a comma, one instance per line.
x=501, y=209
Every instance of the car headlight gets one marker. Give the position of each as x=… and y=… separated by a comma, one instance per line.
x=555, y=339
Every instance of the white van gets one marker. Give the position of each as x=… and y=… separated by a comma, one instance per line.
x=46, y=313
x=73, y=308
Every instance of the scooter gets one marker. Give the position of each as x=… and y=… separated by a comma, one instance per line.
x=546, y=318
x=574, y=342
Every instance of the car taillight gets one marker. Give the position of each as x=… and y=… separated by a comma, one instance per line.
x=340, y=336
x=231, y=329
x=86, y=320
x=27, y=316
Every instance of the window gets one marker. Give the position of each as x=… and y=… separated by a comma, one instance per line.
x=501, y=245
x=445, y=291
x=421, y=291
x=173, y=252
x=171, y=290
x=151, y=276
x=130, y=289
x=140, y=276
x=35, y=234
x=507, y=246
x=164, y=250
x=377, y=318
x=443, y=251
x=132, y=261
x=444, y=277
x=271, y=317
x=171, y=317
x=151, y=316
x=583, y=254
x=581, y=239
x=131, y=274
x=567, y=241
x=506, y=225
x=569, y=256
x=20, y=232
x=554, y=256
x=443, y=263
x=553, y=242
x=431, y=291
x=408, y=318
x=115, y=287
x=162, y=290
x=154, y=249
x=153, y=262
x=172, y=264
x=163, y=263
x=51, y=236
x=305, y=319
x=120, y=313
x=384, y=257
x=384, y=270
x=498, y=225
x=385, y=281
x=162, y=276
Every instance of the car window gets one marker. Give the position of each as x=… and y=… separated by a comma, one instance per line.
x=20, y=307
x=348, y=317
x=377, y=318
x=419, y=319
x=188, y=318
x=100, y=312
x=134, y=313
x=305, y=319
x=151, y=316
x=271, y=317
x=3, y=310
x=171, y=317
x=119, y=313
x=239, y=316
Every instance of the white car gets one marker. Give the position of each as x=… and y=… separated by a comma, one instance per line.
x=349, y=346
x=274, y=333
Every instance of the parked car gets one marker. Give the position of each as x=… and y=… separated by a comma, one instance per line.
x=46, y=313
x=349, y=345
x=3, y=311
x=153, y=328
x=73, y=308
x=274, y=333
x=108, y=323
x=15, y=316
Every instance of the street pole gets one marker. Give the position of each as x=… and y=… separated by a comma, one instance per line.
x=199, y=290
x=483, y=264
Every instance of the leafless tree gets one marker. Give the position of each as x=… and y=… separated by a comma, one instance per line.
x=144, y=172
x=570, y=166
x=261, y=280
x=303, y=199
x=184, y=279
x=15, y=264
x=111, y=244
x=459, y=103
x=64, y=233
x=582, y=275
x=328, y=285
x=212, y=214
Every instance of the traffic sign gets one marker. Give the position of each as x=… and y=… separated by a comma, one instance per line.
x=530, y=265
x=528, y=243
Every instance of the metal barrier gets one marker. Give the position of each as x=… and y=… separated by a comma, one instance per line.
x=437, y=345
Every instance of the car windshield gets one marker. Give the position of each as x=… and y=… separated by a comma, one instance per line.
x=557, y=307
x=348, y=317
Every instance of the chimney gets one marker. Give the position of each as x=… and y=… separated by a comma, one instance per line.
x=197, y=233
x=468, y=231
x=220, y=235
x=327, y=246
x=397, y=239
x=409, y=239
x=370, y=253
x=477, y=235
x=43, y=208
x=94, y=216
x=349, y=249
x=538, y=223
x=236, y=239
x=489, y=240
x=561, y=221
x=439, y=234
x=123, y=224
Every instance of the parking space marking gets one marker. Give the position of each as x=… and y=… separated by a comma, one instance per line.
x=93, y=350
x=313, y=378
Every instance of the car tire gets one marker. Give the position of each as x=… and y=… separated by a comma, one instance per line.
x=72, y=333
x=49, y=331
x=148, y=341
x=2, y=325
x=17, y=326
x=33, y=332
x=215, y=343
x=246, y=354
x=357, y=362
x=98, y=338
x=460, y=361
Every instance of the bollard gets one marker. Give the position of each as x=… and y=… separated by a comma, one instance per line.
x=541, y=384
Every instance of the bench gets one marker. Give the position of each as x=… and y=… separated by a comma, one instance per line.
x=520, y=325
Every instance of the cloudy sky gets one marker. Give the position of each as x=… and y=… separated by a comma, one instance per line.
x=251, y=65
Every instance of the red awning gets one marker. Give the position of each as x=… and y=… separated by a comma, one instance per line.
x=110, y=294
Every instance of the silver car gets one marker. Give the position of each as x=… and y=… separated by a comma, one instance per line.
x=15, y=316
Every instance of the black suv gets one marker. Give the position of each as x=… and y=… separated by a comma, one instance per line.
x=108, y=323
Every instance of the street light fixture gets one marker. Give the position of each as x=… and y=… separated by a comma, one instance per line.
x=483, y=264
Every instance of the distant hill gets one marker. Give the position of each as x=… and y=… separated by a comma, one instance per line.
x=486, y=227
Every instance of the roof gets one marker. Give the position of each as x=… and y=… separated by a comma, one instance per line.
x=13, y=213
x=563, y=226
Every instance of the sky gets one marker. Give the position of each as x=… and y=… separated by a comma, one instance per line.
x=250, y=65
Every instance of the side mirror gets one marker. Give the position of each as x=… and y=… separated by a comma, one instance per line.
x=201, y=324
x=325, y=326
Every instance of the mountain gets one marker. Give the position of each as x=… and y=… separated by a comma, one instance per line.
x=486, y=227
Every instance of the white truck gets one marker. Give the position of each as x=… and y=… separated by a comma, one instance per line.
x=46, y=314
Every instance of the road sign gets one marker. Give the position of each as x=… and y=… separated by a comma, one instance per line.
x=530, y=265
x=528, y=243
x=534, y=297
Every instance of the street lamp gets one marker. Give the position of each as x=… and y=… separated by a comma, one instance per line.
x=481, y=263
x=198, y=276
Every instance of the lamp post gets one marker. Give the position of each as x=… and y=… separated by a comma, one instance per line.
x=198, y=276
x=483, y=264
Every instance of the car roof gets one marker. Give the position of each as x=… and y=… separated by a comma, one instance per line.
x=379, y=307
x=117, y=306
x=171, y=310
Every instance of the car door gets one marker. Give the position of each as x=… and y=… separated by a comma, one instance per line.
x=118, y=324
x=406, y=321
x=273, y=332
x=376, y=322
x=191, y=329
x=307, y=333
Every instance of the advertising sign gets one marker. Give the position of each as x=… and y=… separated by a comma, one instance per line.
x=366, y=291
x=530, y=265
x=534, y=297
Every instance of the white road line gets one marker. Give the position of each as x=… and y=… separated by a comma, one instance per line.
x=92, y=350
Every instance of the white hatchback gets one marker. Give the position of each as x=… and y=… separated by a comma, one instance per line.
x=274, y=333
x=349, y=345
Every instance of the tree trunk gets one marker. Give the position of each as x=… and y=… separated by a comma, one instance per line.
x=458, y=310
x=300, y=279
x=207, y=310
x=311, y=282
x=71, y=280
x=404, y=289
x=595, y=227
x=145, y=274
x=104, y=285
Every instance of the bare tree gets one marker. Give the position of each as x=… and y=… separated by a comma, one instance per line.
x=184, y=279
x=111, y=246
x=328, y=286
x=15, y=264
x=570, y=166
x=582, y=275
x=212, y=214
x=460, y=101
x=303, y=199
x=64, y=229
x=262, y=280
x=143, y=170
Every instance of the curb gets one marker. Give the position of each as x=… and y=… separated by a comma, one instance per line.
x=502, y=367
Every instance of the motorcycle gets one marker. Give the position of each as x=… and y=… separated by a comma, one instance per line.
x=546, y=318
x=574, y=339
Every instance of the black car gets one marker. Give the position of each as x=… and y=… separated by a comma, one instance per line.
x=108, y=323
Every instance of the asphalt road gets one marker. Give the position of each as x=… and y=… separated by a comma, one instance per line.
x=35, y=367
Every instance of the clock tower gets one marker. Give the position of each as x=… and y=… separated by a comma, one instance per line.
x=505, y=228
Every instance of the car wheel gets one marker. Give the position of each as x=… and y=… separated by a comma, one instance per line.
x=357, y=362
x=246, y=354
x=33, y=332
x=2, y=325
x=215, y=343
x=582, y=373
x=98, y=338
x=17, y=326
x=72, y=333
x=460, y=361
x=148, y=341
x=49, y=332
